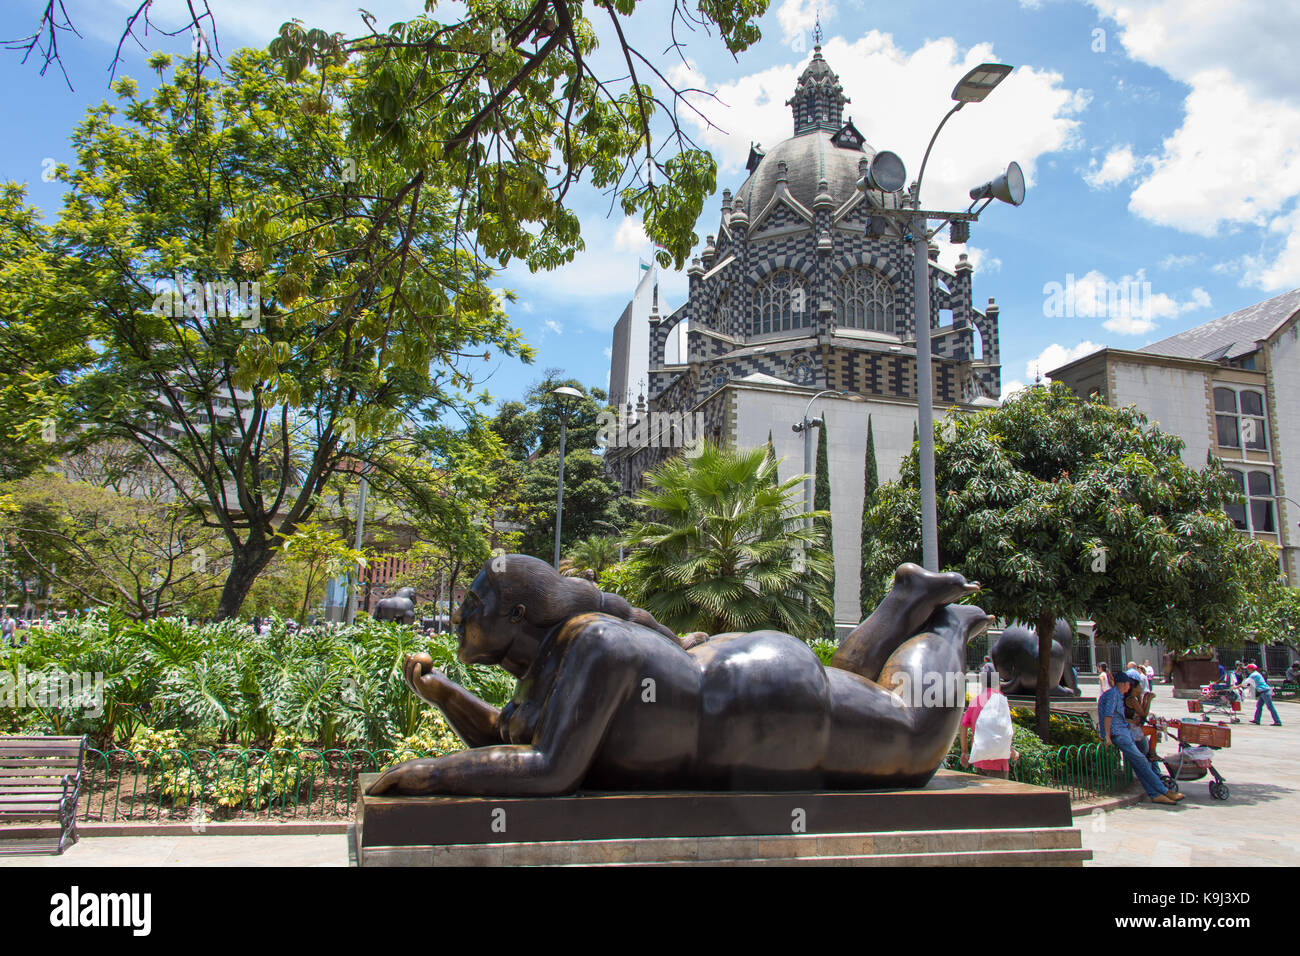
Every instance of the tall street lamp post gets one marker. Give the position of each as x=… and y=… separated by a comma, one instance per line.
x=886, y=175
x=806, y=425
x=565, y=392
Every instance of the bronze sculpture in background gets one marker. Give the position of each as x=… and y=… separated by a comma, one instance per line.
x=609, y=699
x=400, y=607
x=1015, y=655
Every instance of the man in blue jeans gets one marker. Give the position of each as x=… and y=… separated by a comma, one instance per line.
x=1115, y=730
x=1263, y=695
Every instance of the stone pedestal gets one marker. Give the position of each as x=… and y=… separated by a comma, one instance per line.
x=958, y=819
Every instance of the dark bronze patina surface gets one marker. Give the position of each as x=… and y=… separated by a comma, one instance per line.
x=1015, y=655
x=609, y=699
x=400, y=607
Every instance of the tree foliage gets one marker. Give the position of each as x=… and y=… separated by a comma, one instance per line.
x=1062, y=508
x=822, y=503
x=728, y=550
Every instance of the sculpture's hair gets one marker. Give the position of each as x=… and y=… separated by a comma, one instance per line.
x=550, y=598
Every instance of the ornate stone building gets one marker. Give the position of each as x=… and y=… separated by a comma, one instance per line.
x=789, y=297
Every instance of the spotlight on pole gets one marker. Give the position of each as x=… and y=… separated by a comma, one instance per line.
x=1008, y=188
x=885, y=173
x=959, y=232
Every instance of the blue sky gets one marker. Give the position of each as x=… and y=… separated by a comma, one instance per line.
x=1161, y=140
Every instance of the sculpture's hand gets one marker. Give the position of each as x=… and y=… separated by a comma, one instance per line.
x=412, y=777
x=425, y=680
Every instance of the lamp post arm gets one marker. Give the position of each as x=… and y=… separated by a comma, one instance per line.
x=926, y=158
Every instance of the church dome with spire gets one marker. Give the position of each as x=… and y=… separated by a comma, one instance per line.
x=797, y=293
x=824, y=147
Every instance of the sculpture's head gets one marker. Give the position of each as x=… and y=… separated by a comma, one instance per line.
x=408, y=593
x=514, y=603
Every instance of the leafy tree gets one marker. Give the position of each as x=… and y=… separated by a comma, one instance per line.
x=322, y=554
x=595, y=553
x=870, y=482
x=41, y=335
x=1078, y=510
x=530, y=432
x=728, y=550
x=102, y=548
x=822, y=503
x=361, y=321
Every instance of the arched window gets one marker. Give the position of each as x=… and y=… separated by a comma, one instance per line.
x=865, y=301
x=781, y=303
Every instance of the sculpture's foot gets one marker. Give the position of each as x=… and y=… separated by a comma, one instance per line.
x=916, y=595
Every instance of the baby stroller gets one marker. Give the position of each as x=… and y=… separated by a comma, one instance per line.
x=1218, y=699
x=1195, y=757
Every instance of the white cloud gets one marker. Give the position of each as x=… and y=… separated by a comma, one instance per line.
x=1235, y=161
x=1010, y=388
x=630, y=236
x=1030, y=114
x=554, y=326
x=1128, y=304
x=609, y=352
x=1118, y=166
x=1173, y=261
x=1054, y=356
x=797, y=18
x=979, y=259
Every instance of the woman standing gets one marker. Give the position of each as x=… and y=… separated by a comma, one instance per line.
x=1104, y=683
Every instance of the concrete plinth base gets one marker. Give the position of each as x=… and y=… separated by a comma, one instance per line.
x=958, y=819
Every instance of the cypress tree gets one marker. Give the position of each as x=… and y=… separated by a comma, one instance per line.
x=771, y=456
x=870, y=482
x=822, y=502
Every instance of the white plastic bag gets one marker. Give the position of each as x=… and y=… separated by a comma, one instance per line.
x=992, y=731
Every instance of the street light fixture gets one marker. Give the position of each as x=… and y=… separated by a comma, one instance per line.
x=565, y=392
x=911, y=224
x=806, y=425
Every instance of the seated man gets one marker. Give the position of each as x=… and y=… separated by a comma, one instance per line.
x=1116, y=730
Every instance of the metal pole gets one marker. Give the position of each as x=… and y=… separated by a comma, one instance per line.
x=808, y=469
x=559, y=492
x=924, y=388
x=353, y=577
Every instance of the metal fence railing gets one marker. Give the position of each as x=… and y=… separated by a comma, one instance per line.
x=199, y=785
x=1088, y=770
x=222, y=784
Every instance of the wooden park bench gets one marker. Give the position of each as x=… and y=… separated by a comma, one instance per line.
x=40, y=780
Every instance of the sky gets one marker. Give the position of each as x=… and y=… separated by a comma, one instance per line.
x=1160, y=140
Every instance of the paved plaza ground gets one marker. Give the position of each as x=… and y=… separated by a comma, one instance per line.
x=1256, y=826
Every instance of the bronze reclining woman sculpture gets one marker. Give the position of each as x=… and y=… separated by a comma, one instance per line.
x=609, y=699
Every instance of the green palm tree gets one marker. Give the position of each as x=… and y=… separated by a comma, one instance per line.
x=595, y=552
x=731, y=549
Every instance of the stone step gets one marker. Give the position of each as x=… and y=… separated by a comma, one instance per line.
x=1029, y=857
x=929, y=845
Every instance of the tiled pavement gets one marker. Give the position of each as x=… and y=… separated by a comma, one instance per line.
x=1255, y=826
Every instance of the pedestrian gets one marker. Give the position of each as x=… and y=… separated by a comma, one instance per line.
x=1132, y=668
x=1150, y=672
x=1104, y=683
x=1263, y=695
x=989, y=742
x=987, y=678
x=7, y=628
x=1116, y=730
